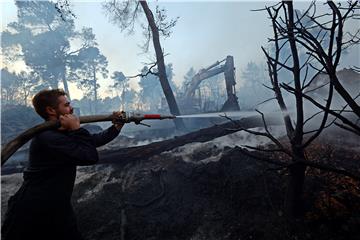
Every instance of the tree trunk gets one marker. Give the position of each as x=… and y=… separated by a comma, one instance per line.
x=169, y=95
x=66, y=87
x=294, y=205
x=123, y=99
x=95, y=90
x=294, y=200
x=25, y=97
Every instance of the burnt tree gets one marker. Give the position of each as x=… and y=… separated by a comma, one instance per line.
x=174, y=109
x=124, y=14
x=326, y=46
x=287, y=54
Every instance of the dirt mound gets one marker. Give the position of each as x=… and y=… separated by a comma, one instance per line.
x=168, y=198
x=234, y=197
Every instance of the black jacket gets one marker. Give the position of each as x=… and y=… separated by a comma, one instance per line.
x=41, y=208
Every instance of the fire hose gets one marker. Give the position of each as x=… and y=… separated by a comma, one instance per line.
x=123, y=117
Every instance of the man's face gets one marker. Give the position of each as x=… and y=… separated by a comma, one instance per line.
x=63, y=107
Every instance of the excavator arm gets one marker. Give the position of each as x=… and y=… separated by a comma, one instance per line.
x=198, y=78
x=229, y=72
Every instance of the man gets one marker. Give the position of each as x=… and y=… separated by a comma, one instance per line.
x=41, y=208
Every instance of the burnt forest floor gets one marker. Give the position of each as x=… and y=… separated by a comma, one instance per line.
x=213, y=194
x=219, y=194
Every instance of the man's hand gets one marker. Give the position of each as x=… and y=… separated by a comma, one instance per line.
x=118, y=125
x=69, y=122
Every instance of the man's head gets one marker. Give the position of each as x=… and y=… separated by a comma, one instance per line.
x=51, y=104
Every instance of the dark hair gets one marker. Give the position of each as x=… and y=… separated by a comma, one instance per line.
x=46, y=98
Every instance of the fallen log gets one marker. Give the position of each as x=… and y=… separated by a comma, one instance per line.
x=124, y=155
x=140, y=152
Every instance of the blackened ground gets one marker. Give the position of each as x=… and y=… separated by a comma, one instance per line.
x=167, y=198
x=233, y=198
x=230, y=196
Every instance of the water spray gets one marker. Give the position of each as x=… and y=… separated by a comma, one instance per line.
x=234, y=114
x=127, y=117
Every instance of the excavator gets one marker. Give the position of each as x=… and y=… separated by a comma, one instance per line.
x=231, y=104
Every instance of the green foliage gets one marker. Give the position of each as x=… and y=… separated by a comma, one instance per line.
x=188, y=76
x=151, y=92
x=8, y=86
x=121, y=86
x=104, y=106
x=129, y=99
x=41, y=38
x=121, y=83
x=90, y=63
x=17, y=88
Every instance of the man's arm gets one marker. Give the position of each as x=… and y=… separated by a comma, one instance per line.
x=107, y=136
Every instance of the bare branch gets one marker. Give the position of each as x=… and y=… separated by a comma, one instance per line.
x=277, y=62
x=334, y=113
x=270, y=88
x=267, y=100
x=328, y=168
x=317, y=165
x=312, y=116
x=347, y=128
x=334, y=120
x=317, y=88
x=266, y=134
x=147, y=73
x=314, y=77
x=263, y=149
x=323, y=122
x=260, y=158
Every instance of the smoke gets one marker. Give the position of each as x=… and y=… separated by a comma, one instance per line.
x=202, y=153
x=146, y=142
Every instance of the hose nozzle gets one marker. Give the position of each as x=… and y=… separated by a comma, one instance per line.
x=127, y=117
x=158, y=116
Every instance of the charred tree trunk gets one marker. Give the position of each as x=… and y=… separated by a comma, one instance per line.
x=294, y=199
x=290, y=30
x=169, y=95
x=294, y=206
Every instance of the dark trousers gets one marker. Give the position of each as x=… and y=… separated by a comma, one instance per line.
x=23, y=221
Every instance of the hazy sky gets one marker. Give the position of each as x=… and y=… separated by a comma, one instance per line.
x=206, y=31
